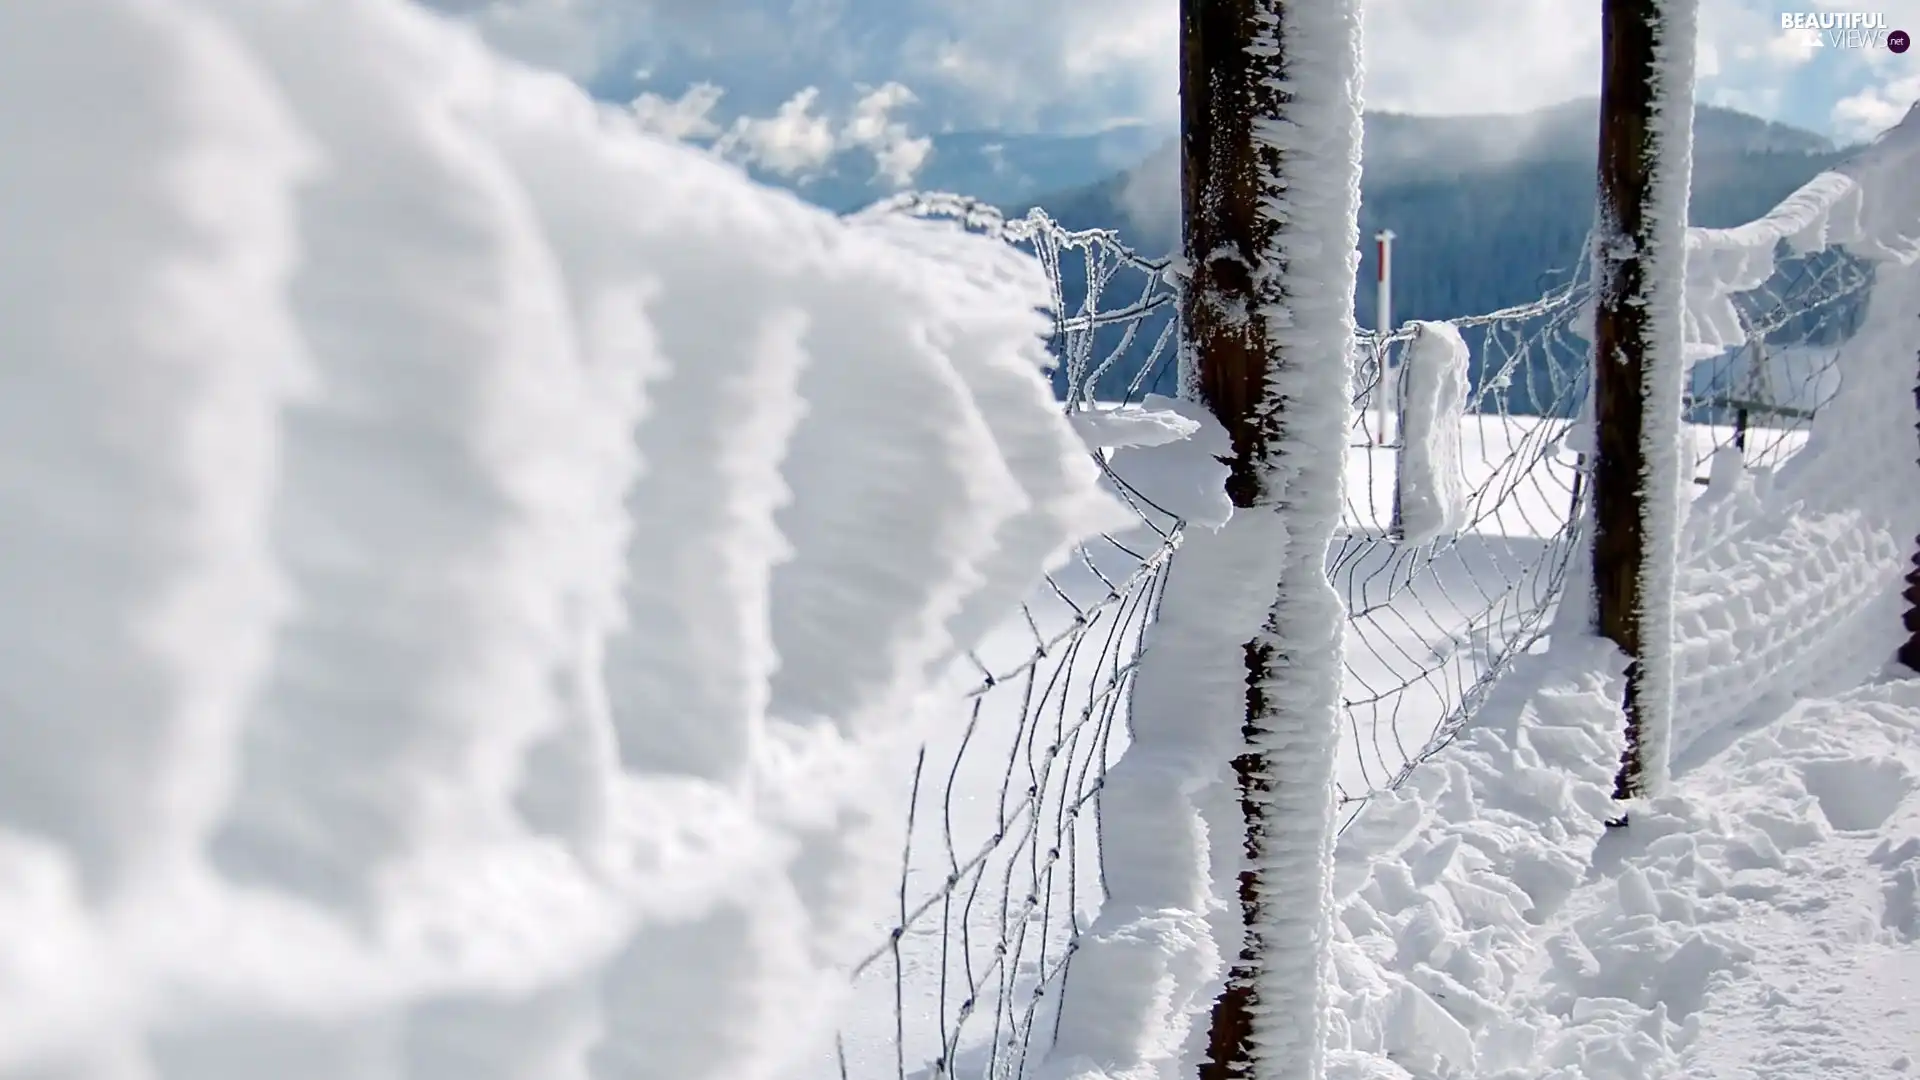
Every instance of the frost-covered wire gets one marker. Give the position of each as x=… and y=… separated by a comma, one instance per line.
x=1433, y=626
x=1759, y=396
x=1002, y=869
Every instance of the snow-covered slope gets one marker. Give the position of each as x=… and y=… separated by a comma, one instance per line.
x=461, y=557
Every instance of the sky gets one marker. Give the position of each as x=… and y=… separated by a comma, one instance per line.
x=814, y=74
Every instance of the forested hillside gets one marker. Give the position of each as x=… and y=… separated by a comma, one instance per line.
x=1486, y=211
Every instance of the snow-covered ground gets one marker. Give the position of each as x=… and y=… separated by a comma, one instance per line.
x=478, y=580
x=1791, y=855
x=1433, y=617
x=1757, y=923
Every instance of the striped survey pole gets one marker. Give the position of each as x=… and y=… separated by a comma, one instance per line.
x=1386, y=393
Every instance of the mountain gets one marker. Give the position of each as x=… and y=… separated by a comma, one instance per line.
x=996, y=167
x=1519, y=183
x=1401, y=145
x=1487, y=211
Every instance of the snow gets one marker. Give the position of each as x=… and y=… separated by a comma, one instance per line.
x=1782, y=379
x=1385, y=397
x=1749, y=925
x=1489, y=924
x=1156, y=945
x=440, y=601
x=464, y=557
x=1432, y=639
x=1153, y=423
x=1875, y=220
x=1755, y=921
x=1185, y=477
x=1804, y=590
x=1790, y=576
x=1433, y=491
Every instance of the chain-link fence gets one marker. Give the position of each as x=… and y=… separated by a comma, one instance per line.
x=1001, y=870
x=1759, y=396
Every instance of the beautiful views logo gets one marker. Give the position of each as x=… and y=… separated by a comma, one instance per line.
x=1845, y=30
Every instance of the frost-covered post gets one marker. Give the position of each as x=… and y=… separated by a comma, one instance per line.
x=1646, y=130
x=1910, y=649
x=1270, y=186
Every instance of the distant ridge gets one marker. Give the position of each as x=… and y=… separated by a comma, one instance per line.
x=1486, y=209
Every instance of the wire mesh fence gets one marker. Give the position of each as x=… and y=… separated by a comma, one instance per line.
x=1760, y=396
x=1431, y=625
x=1001, y=870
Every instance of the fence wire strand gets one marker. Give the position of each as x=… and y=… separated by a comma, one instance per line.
x=1759, y=397
x=1001, y=870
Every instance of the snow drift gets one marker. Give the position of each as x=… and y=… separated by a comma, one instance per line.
x=463, y=557
x=1790, y=577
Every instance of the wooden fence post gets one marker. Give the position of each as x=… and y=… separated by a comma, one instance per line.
x=1220, y=91
x=1910, y=649
x=1646, y=71
x=1267, y=101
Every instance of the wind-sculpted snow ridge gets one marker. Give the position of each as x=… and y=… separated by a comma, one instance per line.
x=1789, y=579
x=1722, y=264
x=1866, y=207
x=463, y=558
x=1001, y=868
x=1789, y=576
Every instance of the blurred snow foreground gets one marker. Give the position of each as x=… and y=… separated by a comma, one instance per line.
x=463, y=559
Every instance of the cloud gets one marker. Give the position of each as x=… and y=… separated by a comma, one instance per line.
x=897, y=154
x=1883, y=84
x=1486, y=56
x=1150, y=197
x=1021, y=62
x=798, y=140
x=1015, y=64
x=687, y=118
x=1861, y=116
x=794, y=141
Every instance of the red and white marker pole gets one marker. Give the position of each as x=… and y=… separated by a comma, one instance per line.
x=1387, y=393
